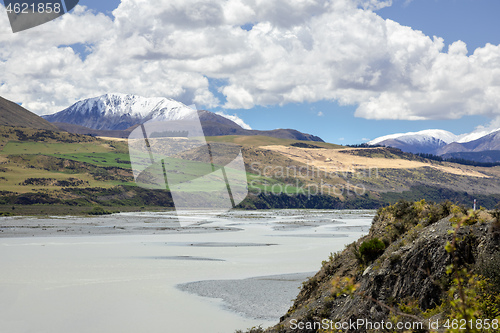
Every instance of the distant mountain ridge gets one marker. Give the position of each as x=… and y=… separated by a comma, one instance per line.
x=427, y=141
x=117, y=114
x=421, y=136
x=471, y=146
x=12, y=114
x=488, y=142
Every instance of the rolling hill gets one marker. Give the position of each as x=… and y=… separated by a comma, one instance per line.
x=285, y=169
x=12, y=114
x=68, y=171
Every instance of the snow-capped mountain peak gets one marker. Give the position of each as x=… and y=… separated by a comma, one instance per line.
x=425, y=136
x=120, y=111
x=123, y=104
x=440, y=142
x=477, y=134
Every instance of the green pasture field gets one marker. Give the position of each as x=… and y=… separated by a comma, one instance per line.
x=102, y=155
x=99, y=155
x=270, y=185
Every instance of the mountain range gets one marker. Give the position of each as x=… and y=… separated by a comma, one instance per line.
x=116, y=115
x=480, y=146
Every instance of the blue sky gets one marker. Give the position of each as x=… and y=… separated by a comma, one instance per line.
x=106, y=6
x=473, y=21
x=338, y=69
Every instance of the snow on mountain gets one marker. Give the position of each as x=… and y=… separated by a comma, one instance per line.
x=121, y=111
x=135, y=106
x=425, y=136
x=477, y=134
x=440, y=142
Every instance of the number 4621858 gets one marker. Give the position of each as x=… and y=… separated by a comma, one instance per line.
x=25, y=8
x=479, y=324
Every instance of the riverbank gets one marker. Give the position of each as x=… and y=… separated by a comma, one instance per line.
x=43, y=210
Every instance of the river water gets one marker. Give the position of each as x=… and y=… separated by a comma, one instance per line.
x=144, y=272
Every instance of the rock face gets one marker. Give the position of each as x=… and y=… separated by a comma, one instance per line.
x=411, y=270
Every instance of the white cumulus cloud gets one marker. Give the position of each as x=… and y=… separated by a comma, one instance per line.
x=296, y=51
x=236, y=119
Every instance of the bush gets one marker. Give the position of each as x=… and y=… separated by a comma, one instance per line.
x=98, y=210
x=371, y=250
x=438, y=211
x=6, y=214
x=403, y=216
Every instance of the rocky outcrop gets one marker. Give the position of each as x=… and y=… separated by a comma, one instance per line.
x=409, y=278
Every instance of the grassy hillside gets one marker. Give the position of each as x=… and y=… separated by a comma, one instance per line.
x=12, y=114
x=41, y=160
x=58, y=168
x=44, y=167
x=388, y=174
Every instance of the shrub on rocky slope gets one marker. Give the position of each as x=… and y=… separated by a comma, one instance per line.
x=441, y=265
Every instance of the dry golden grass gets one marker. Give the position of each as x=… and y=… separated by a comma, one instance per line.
x=112, y=139
x=337, y=160
x=258, y=140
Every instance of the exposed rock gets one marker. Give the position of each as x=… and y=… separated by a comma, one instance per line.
x=411, y=270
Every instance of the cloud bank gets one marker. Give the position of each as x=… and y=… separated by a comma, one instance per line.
x=266, y=53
